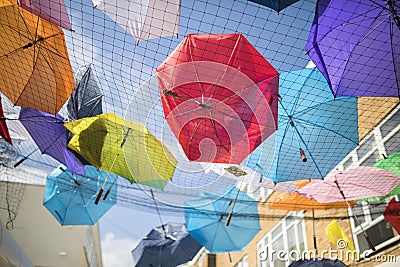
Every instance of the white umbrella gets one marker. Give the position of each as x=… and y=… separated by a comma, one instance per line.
x=143, y=19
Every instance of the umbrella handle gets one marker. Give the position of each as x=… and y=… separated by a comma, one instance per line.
x=371, y=246
x=303, y=155
x=105, y=196
x=19, y=162
x=98, y=196
x=228, y=220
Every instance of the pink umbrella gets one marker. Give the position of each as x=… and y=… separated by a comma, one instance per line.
x=53, y=11
x=353, y=184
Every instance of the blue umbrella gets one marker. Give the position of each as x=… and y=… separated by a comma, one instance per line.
x=168, y=246
x=315, y=131
x=70, y=197
x=277, y=5
x=209, y=220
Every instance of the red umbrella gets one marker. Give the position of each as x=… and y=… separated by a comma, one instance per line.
x=392, y=214
x=219, y=96
x=3, y=126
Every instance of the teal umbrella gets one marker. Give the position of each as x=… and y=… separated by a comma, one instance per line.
x=70, y=197
x=315, y=131
x=222, y=222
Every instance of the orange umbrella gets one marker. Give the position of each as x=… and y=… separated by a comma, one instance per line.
x=295, y=201
x=34, y=64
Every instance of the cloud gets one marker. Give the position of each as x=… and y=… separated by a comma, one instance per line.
x=116, y=252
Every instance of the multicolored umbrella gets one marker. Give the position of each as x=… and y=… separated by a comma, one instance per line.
x=49, y=134
x=356, y=45
x=53, y=11
x=35, y=69
x=277, y=5
x=219, y=96
x=209, y=220
x=128, y=149
x=144, y=20
x=70, y=197
x=168, y=245
x=315, y=131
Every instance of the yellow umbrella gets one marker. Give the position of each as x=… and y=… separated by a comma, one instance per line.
x=125, y=148
x=34, y=64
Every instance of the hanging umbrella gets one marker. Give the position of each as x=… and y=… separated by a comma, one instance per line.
x=295, y=201
x=360, y=182
x=392, y=214
x=70, y=197
x=277, y=5
x=353, y=184
x=168, y=245
x=34, y=64
x=125, y=148
x=3, y=126
x=53, y=11
x=315, y=132
x=207, y=217
x=49, y=134
x=144, y=20
x=390, y=163
x=219, y=97
x=355, y=44
x=85, y=100
x=318, y=262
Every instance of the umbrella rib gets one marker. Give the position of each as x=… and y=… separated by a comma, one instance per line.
x=227, y=65
x=279, y=149
x=393, y=54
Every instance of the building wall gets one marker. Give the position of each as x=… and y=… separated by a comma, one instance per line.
x=44, y=241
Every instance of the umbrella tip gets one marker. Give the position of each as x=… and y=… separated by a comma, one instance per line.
x=384, y=156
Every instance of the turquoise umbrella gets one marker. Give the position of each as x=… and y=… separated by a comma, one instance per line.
x=315, y=131
x=70, y=197
x=210, y=221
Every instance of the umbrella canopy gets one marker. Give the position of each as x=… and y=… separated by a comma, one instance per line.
x=50, y=135
x=390, y=163
x=295, y=201
x=128, y=149
x=310, y=121
x=34, y=63
x=85, y=100
x=277, y=5
x=356, y=45
x=351, y=184
x=320, y=262
x=53, y=11
x=392, y=214
x=168, y=245
x=206, y=219
x=219, y=96
x=3, y=126
x=70, y=197
x=144, y=20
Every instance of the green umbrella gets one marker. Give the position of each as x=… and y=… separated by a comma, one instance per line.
x=390, y=163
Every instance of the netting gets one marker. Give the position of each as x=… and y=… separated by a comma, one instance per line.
x=208, y=80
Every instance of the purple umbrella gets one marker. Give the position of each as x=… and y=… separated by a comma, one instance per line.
x=356, y=45
x=53, y=11
x=49, y=134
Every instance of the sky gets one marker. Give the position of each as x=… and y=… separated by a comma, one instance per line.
x=123, y=68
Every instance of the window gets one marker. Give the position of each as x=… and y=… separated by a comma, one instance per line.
x=284, y=243
x=244, y=262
